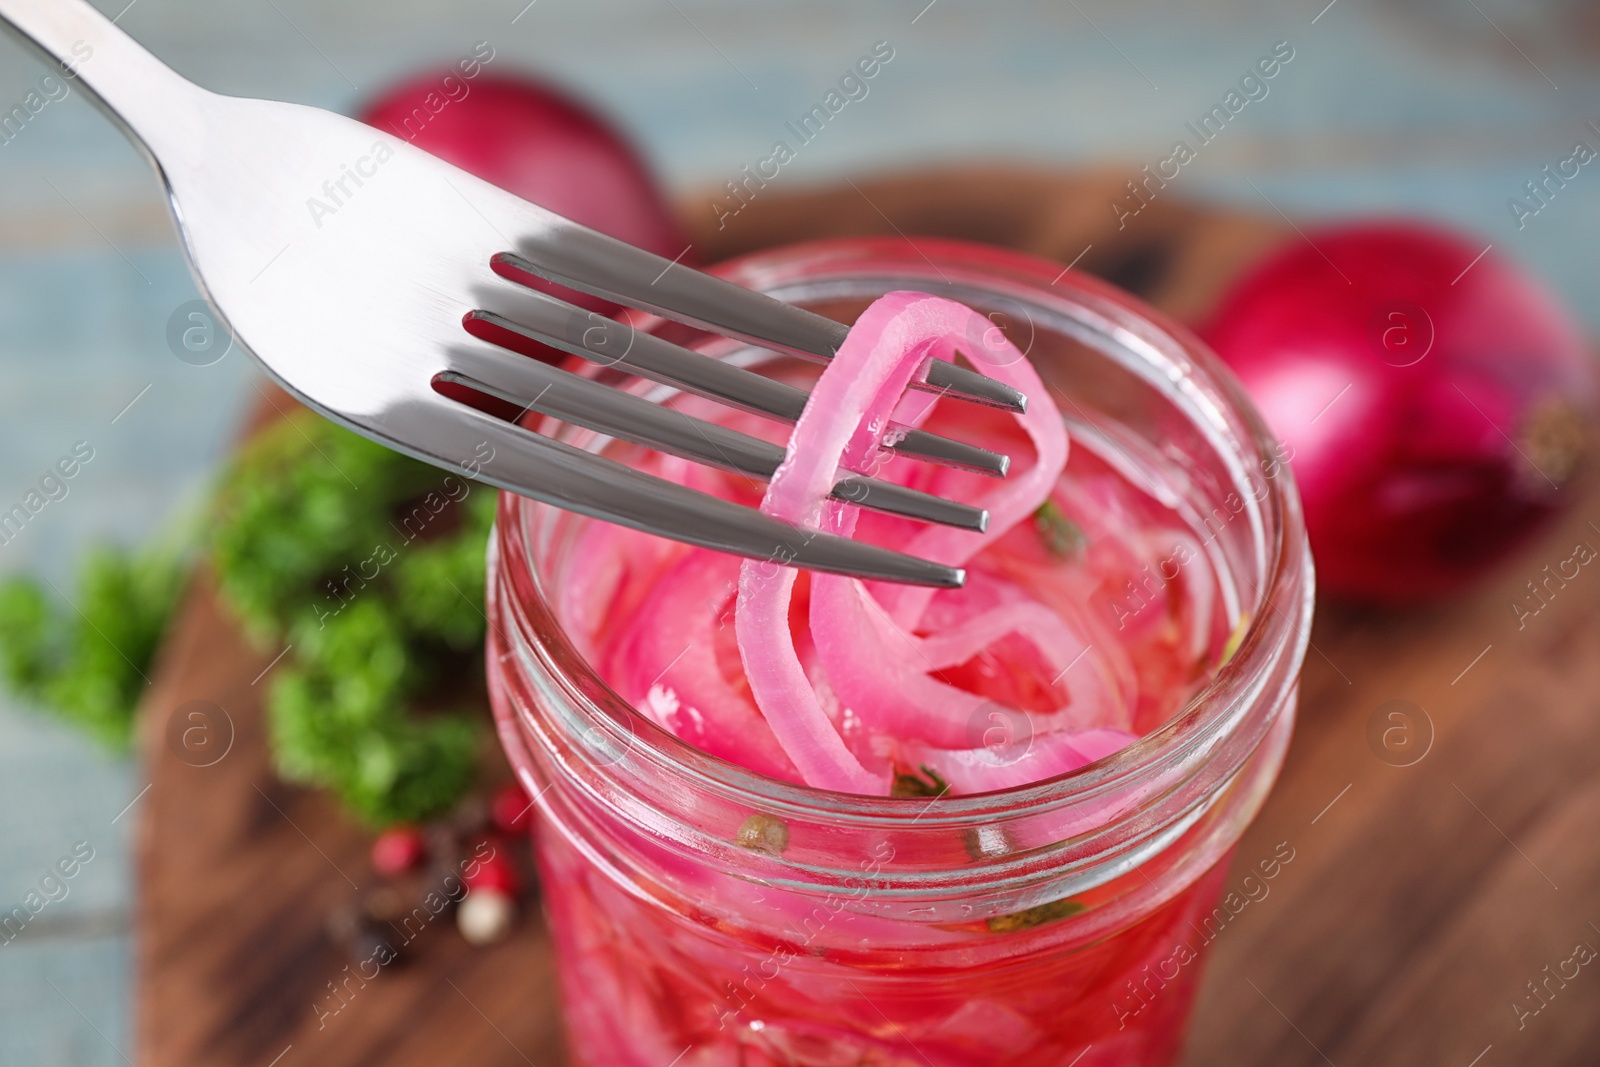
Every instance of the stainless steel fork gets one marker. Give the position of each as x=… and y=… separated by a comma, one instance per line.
x=362, y=311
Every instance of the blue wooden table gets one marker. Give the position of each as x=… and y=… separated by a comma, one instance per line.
x=1426, y=107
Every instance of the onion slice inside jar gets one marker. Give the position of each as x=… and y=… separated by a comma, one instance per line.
x=879, y=663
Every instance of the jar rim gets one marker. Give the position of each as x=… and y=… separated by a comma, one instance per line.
x=1271, y=647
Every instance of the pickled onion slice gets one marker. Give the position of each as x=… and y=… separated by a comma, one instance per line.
x=840, y=424
x=690, y=697
x=878, y=663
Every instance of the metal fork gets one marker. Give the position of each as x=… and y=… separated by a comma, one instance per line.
x=362, y=273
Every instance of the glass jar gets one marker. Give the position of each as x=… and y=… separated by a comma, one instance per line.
x=704, y=914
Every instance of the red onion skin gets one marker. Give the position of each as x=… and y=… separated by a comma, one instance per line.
x=1434, y=409
x=535, y=141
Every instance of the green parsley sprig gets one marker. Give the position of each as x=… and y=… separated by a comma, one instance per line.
x=367, y=566
x=85, y=656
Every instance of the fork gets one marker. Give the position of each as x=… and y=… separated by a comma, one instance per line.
x=420, y=277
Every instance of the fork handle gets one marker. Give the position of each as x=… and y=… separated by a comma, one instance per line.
x=154, y=105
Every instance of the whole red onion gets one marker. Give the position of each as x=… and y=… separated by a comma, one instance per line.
x=1434, y=405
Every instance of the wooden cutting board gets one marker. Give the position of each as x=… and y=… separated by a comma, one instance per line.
x=1420, y=900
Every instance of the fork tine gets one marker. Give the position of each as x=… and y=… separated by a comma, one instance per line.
x=606, y=342
x=947, y=452
x=540, y=317
x=436, y=431
x=892, y=498
x=560, y=394
x=593, y=263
